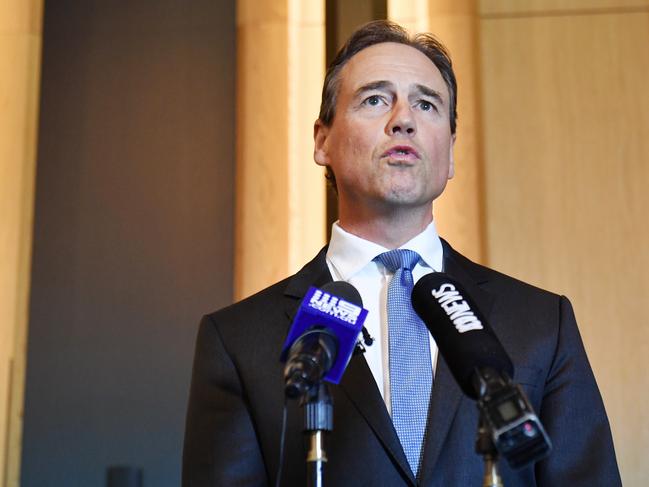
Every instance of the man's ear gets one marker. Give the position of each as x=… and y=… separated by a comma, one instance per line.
x=451, y=158
x=320, y=152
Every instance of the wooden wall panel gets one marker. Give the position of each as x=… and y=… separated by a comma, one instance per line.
x=280, y=192
x=557, y=7
x=566, y=118
x=261, y=228
x=413, y=15
x=307, y=201
x=20, y=49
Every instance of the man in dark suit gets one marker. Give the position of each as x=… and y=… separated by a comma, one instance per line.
x=385, y=134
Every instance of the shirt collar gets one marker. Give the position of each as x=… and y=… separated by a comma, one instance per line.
x=348, y=253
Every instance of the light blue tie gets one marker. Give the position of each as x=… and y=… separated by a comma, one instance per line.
x=411, y=375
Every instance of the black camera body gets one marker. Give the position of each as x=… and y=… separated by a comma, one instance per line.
x=516, y=431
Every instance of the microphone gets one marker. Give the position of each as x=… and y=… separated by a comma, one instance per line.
x=323, y=337
x=481, y=367
x=463, y=336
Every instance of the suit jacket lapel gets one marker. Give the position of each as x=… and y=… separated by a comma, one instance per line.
x=446, y=394
x=357, y=383
x=314, y=273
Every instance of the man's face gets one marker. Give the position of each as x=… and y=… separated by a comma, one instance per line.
x=390, y=143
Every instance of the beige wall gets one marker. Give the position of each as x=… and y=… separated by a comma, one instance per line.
x=566, y=124
x=20, y=45
x=280, y=200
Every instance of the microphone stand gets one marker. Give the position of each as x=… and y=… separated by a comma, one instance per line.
x=484, y=446
x=318, y=419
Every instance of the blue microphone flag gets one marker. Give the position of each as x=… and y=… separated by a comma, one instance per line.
x=321, y=310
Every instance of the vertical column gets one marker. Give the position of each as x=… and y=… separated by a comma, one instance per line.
x=280, y=202
x=411, y=14
x=20, y=46
x=459, y=211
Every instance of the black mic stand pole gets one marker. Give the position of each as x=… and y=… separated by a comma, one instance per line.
x=318, y=419
x=484, y=446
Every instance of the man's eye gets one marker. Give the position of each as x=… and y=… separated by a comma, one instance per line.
x=373, y=100
x=426, y=106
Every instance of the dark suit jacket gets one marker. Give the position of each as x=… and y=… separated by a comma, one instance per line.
x=234, y=415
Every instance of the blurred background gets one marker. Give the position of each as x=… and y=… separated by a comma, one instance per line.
x=156, y=164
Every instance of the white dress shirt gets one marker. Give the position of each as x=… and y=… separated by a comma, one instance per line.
x=350, y=258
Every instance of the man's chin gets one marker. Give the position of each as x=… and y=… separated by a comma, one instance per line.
x=404, y=199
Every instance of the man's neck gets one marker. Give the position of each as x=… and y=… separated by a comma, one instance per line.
x=390, y=230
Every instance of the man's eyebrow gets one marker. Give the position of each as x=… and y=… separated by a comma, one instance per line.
x=373, y=85
x=425, y=90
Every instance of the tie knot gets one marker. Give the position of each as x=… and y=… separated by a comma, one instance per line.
x=398, y=259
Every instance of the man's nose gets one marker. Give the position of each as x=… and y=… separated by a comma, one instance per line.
x=402, y=121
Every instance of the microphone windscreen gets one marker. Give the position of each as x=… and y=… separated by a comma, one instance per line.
x=461, y=332
x=336, y=308
x=345, y=291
